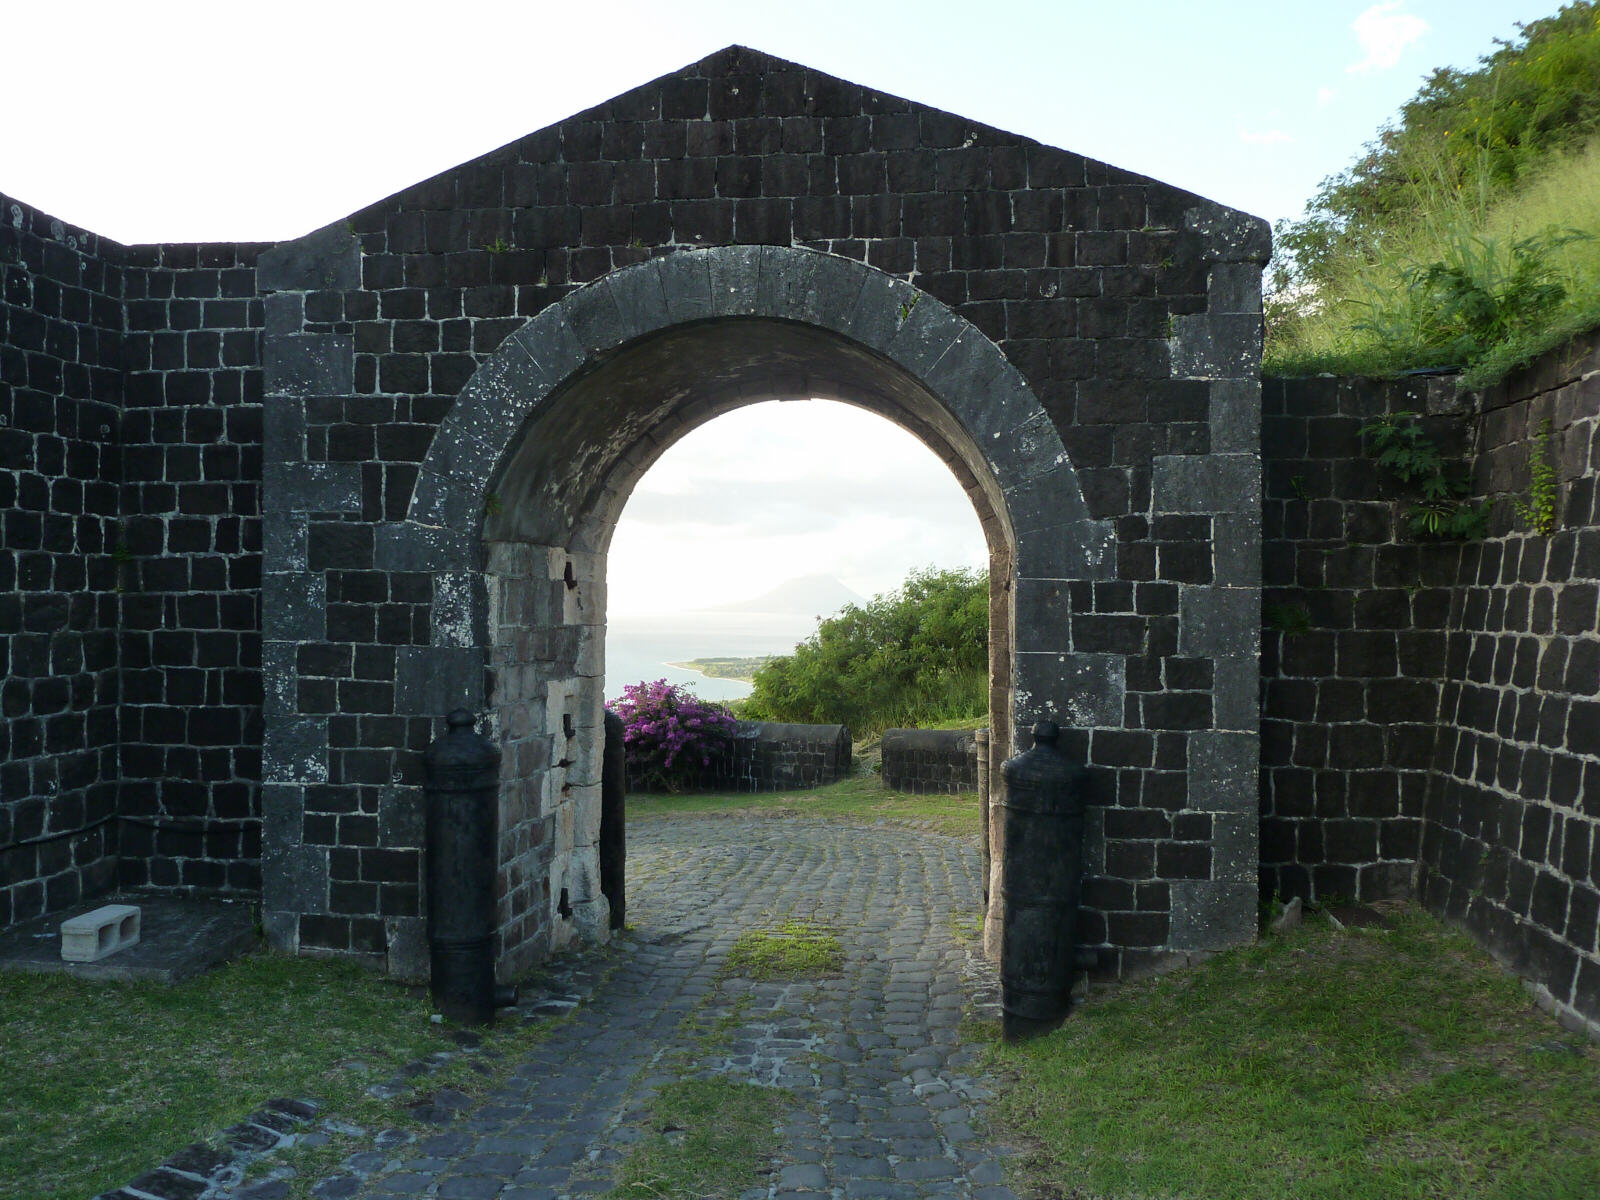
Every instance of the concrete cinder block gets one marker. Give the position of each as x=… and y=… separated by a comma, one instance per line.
x=98, y=934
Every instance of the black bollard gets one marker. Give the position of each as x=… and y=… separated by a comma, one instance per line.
x=613, y=820
x=1041, y=830
x=462, y=791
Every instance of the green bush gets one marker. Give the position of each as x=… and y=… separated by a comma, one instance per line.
x=1466, y=235
x=916, y=655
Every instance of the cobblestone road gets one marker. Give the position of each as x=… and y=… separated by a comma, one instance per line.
x=885, y=1095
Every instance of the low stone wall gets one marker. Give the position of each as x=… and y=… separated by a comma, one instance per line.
x=770, y=757
x=930, y=761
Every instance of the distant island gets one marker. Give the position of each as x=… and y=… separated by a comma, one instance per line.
x=727, y=668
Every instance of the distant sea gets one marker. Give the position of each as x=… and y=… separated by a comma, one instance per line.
x=639, y=650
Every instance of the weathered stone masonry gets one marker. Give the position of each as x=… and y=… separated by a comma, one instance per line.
x=1436, y=727
x=1079, y=343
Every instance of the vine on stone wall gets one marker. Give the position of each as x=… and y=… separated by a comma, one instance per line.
x=1539, y=509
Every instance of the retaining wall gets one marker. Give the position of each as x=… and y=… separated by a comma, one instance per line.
x=1430, y=712
x=768, y=756
x=928, y=761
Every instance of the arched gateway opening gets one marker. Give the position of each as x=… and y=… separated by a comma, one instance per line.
x=552, y=433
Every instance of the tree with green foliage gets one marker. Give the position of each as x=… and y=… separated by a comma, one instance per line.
x=1465, y=137
x=1468, y=233
x=917, y=655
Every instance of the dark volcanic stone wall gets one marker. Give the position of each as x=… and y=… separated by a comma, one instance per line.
x=1131, y=308
x=770, y=756
x=1430, y=715
x=60, y=398
x=1511, y=847
x=1355, y=612
x=191, y=572
x=930, y=761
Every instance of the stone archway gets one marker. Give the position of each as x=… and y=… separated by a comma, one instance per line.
x=548, y=439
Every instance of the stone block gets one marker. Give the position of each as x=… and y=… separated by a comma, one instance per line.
x=411, y=547
x=552, y=345
x=1235, y=847
x=295, y=750
x=927, y=330
x=1080, y=691
x=1212, y=914
x=279, y=679
x=1235, y=690
x=431, y=681
x=294, y=879
x=328, y=259
x=1235, y=416
x=1223, y=769
x=1219, y=622
x=1236, y=549
x=308, y=364
x=283, y=810
x=636, y=291
x=685, y=285
x=311, y=487
x=1230, y=235
x=1084, y=550
x=1206, y=483
x=880, y=304
x=1207, y=346
x=406, y=939
x=735, y=281
x=1032, y=450
x=457, y=616
x=285, y=313
x=293, y=606
x=400, y=817
x=283, y=429
x=446, y=503
x=98, y=934
x=283, y=541
x=1234, y=287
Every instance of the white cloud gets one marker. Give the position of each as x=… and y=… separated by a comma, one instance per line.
x=775, y=491
x=1384, y=32
x=1326, y=96
x=1264, y=137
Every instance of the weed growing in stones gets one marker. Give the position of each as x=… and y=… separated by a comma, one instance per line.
x=794, y=950
x=1539, y=509
x=710, y=1137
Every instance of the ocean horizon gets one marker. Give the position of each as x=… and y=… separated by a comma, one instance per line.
x=641, y=650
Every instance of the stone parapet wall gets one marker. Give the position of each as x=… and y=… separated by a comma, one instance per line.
x=61, y=392
x=190, y=638
x=930, y=761
x=769, y=756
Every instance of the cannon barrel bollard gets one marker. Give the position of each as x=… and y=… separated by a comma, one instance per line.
x=462, y=791
x=1041, y=817
x=613, y=820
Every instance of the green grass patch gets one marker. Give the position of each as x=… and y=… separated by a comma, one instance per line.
x=106, y=1080
x=1372, y=1063
x=709, y=1137
x=860, y=798
x=794, y=950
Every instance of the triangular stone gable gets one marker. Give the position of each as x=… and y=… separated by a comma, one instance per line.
x=729, y=91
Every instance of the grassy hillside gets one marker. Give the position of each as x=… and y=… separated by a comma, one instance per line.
x=1468, y=234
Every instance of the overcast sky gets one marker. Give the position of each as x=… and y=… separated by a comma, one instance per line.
x=147, y=120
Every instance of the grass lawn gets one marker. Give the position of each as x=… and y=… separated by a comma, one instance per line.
x=858, y=798
x=1370, y=1063
x=104, y=1081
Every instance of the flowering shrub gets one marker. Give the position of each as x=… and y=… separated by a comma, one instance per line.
x=670, y=733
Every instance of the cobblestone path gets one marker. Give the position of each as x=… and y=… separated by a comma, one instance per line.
x=885, y=1098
